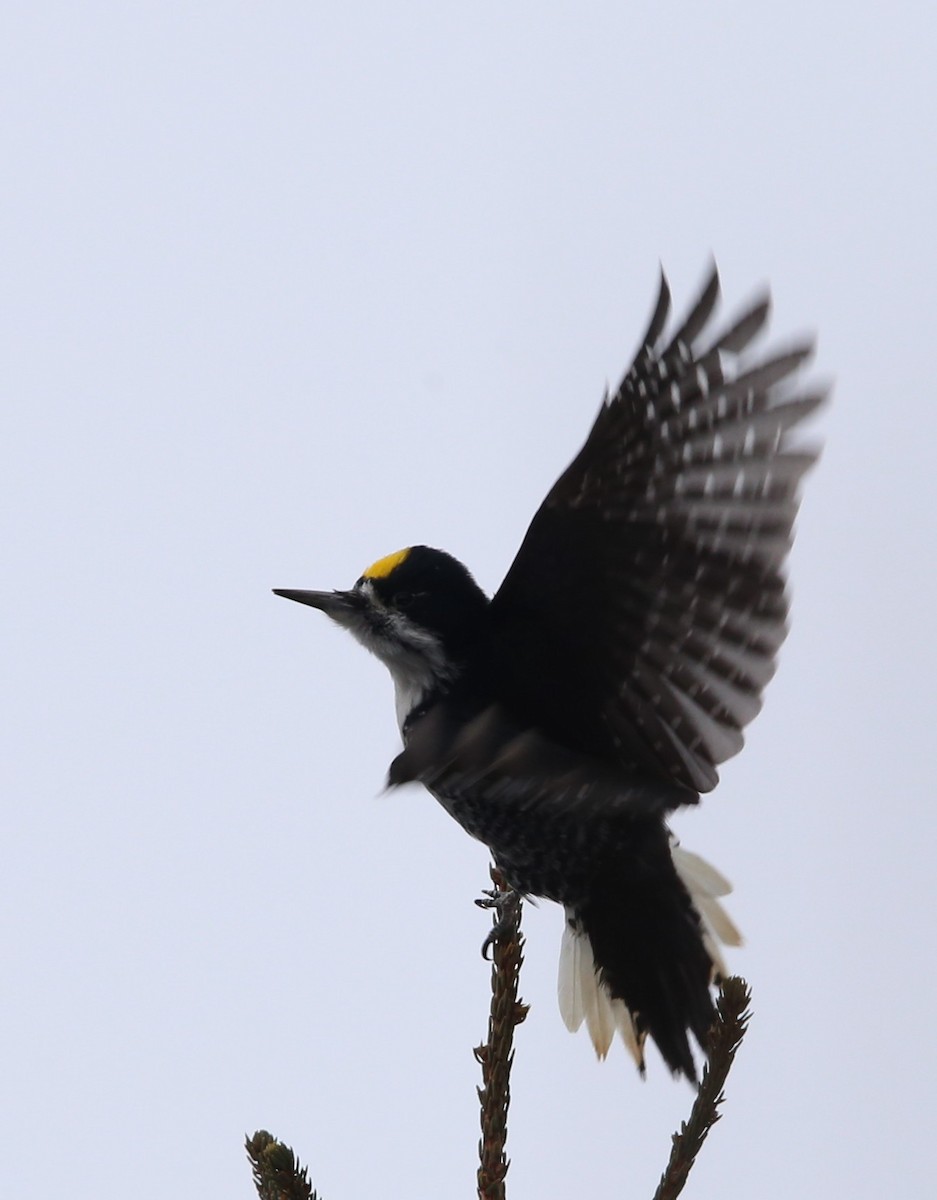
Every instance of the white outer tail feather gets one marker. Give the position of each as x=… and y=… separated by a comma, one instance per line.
x=583, y=997
x=705, y=885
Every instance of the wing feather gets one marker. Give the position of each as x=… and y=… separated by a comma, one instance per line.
x=650, y=585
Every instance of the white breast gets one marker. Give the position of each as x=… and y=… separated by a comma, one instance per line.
x=409, y=690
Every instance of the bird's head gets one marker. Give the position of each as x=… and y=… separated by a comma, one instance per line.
x=418, y=610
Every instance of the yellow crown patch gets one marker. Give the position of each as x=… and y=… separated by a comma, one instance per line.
x=383, y=567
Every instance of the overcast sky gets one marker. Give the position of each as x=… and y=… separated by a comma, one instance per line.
x=287, y=286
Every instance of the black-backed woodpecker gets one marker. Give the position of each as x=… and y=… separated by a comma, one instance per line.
x=561, y=721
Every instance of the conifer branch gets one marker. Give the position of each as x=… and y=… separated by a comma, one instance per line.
x=279, y=1176
x=496, y=1056
x=277, y=1173
x=725, y=1037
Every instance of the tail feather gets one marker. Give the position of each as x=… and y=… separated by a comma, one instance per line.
x=706, y=885
x=583, y=997
x=641, y=954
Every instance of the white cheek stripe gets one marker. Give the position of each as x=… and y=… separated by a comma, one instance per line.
x=414, y=657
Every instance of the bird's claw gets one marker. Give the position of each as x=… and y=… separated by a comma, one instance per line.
x=505, y=925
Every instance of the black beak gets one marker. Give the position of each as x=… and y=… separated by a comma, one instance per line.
x=342, y=607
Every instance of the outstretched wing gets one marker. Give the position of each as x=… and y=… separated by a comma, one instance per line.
x=648, y=597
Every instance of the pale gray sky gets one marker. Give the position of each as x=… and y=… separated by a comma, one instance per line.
x=288, y=286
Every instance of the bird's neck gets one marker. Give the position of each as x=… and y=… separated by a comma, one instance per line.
x=416, y=687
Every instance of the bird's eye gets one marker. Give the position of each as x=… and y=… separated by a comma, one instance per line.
x=403, y=599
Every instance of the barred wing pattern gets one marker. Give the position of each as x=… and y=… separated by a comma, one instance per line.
x=678, y=515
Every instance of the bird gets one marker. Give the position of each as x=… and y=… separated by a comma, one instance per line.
x=562, y=720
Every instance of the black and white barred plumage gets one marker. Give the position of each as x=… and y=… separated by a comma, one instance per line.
x=615, y=668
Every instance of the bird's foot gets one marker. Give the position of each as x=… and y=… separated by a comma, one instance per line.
x=506, y=901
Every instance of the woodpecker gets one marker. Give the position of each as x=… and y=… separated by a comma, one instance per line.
x=561, y=721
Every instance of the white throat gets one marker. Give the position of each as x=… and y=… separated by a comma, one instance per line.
x=414, y=656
